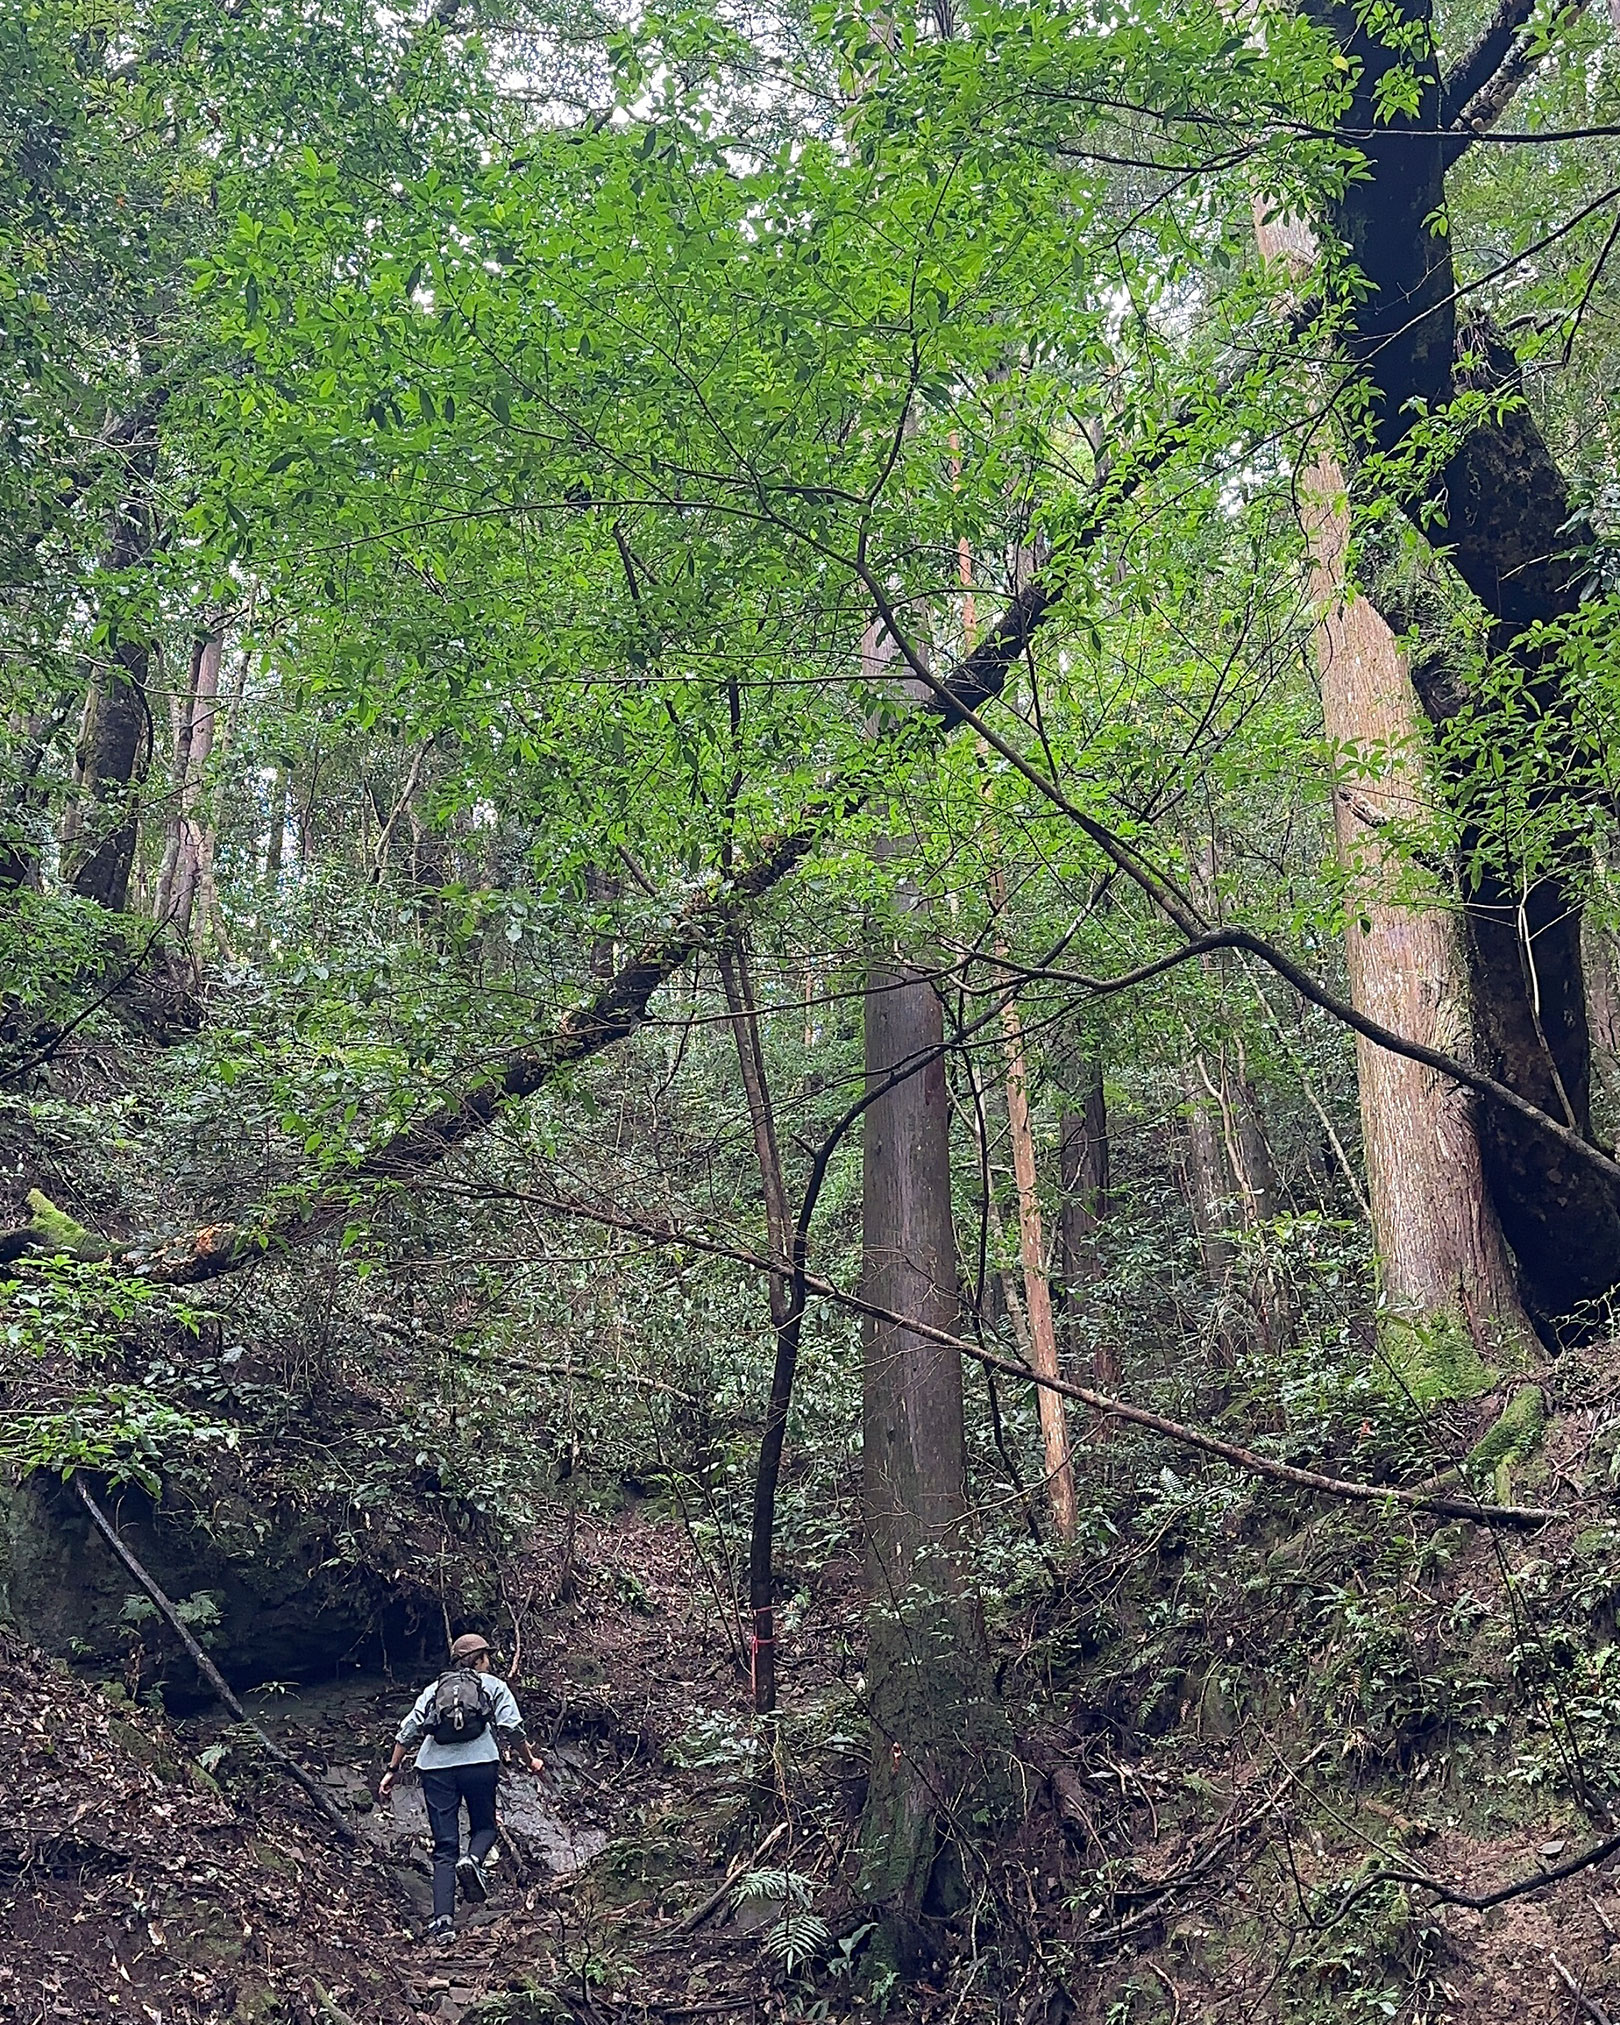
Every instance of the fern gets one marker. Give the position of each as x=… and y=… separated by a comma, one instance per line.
x=774, y=1887
x=800, y=1935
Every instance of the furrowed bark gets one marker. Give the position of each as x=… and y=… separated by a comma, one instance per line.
x=934, y=1713
x=1441, y=1252
x=1442, y=1257
x=931, y=1695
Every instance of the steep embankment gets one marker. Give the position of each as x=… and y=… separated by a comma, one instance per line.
x=1234, y=1727
x=138, y=1889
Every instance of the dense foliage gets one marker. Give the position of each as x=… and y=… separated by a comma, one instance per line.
x=535, y=545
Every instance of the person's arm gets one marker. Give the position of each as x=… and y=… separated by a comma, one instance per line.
x=509, y=1725
x=411, y=1731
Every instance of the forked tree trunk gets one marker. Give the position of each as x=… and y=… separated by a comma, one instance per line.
x=1442, y=1257
x=1506, y=519
x=938, y=1740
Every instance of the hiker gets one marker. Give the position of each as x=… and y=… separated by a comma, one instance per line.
x=455, y=1722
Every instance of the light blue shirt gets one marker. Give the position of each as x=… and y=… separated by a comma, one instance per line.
x=479, y=1750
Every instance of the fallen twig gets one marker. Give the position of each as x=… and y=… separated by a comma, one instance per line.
x=222, y=1688
x=211, y=1673
x=1477, y=1901
x=1590, y=2005
x=699, y=1914
x=520, y=1863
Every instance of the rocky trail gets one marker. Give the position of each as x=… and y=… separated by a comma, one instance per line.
x=156, y=1867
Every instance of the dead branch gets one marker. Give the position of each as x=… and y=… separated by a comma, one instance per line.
x=211, y=1673
x=1590, y=2005
x=695, y=1918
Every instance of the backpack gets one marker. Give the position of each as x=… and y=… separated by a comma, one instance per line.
x=460, y=1709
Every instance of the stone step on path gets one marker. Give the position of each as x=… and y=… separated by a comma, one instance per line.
x=447, y=1997
x=451, y=1989
x=461, y=1973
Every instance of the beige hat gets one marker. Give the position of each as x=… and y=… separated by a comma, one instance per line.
x=468, y=1646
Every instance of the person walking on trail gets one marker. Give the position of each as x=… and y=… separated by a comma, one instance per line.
x=454, y=1724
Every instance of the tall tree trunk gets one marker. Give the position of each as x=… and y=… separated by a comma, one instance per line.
x=786, y=1295
x=1442, y=1256
x=1083, y=1182
x=186, y=848
x=115, y=743
x=28, y=734
x=1043, y=1351
x=1212, y=1200
x=939, y=1744
x=1042, y=1347
x=1232, y=1178
x=1504, y=517
x=276, y=842
x=1603, y=1001
x=936, y=1723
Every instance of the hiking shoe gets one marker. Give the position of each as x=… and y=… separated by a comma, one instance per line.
x=440, y=1929
x=470, y=1876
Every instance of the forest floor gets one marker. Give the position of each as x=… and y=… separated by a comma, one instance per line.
x=151, y=1869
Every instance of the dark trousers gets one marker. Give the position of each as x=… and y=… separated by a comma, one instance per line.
x=444, y=1790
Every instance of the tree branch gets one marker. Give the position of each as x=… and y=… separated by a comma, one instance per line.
x=1358, y=1022
x=615, y=1012
x=1469, y=1509
x=205, y=1666
x=1472, y=72
x=1480, y=111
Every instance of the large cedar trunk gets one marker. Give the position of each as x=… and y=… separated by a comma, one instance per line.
x=1505, y=516
x=115, y=742
x=1440, y=1245
x=938, y=1748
